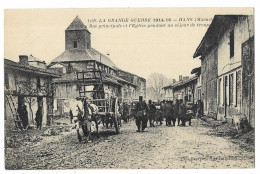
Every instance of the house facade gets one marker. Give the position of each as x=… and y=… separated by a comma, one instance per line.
x=197, y=89
x=79, y=56
x=185, y=89
x=29, y=85
x=168, y=93
x=231, y=39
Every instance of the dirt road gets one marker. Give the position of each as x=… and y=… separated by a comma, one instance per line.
x=159, y=147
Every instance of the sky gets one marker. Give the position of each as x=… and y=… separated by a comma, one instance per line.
x=141, y=50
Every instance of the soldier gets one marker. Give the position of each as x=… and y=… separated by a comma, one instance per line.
x=169, y=113
x=141, y=116
x=71, y=116
x=23, y=114
x=166, y=113
x=151, y=113
x=38, y=118
x=182, y=112
x=163, y=104
x=125, y=112
x=173, y=115
x=176, y=110
x=145, y=115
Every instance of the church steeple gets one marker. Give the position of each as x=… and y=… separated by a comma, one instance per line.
x=77, y=35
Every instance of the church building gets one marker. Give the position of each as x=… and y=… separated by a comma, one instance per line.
x=79, y=55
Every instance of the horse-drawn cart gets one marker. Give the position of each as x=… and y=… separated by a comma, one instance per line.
x=97, y=106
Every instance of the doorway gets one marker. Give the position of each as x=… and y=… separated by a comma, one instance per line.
x=225, y=94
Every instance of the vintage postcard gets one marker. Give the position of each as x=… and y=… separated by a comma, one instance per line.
x=129, y=88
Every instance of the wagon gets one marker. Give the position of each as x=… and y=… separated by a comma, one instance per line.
x=97, y=106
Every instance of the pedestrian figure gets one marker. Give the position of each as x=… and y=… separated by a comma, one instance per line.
x=151, y=113
x=173, y=115
x=200, y=108
x=169, y=113
x=71, y=116
x=158, y=116
x=23, y=114
x=38, y=118
x=125, y=112
x=141, y=116
x=176, y=110
x=163, y=104
x=182, y=112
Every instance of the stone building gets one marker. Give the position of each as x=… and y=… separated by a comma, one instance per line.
x=168, y=92
x=29, y=85
x=227, y=60
x=79, y=55
x=209, y=74
x=185, y=89
x=197, y=90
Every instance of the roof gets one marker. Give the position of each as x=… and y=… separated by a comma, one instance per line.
x=168, y=86
x=79, y=55
x=132, y=74
x=30, y=69
x=217, y=27
x=31, y=58
x=77, y=24
x=184, y=82
x=107, y=78
x=196, y=71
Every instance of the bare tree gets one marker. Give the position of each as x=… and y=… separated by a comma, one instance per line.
x=155, y=83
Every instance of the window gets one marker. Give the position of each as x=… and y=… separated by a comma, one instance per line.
x=75, y=44
x=6, y=80
x=69, y=68
x=38, y=83
x=231, y=90
x=231, y=43
x=199, y=94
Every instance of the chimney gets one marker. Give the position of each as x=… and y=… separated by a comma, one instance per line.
x=180, y=78
x=23, y=59
x=173, y=81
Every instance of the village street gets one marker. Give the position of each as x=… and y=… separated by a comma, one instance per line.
x=159, y=147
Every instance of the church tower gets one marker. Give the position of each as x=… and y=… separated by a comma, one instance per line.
x=77, y=36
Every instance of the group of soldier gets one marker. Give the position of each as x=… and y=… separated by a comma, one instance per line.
x=171, y=112
x=23, y=115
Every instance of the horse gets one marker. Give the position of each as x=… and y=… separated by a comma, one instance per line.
x=85, y=116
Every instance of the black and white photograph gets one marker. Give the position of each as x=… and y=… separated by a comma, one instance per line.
x=129, y=88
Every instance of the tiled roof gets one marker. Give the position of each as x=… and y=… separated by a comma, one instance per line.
x=107, y=78
x=218, y=25
x=77, y=55
x=31, y=58
x=28, y=68
x=168, y=86
x=196, y=71
x=77, y=24
x=181, y=83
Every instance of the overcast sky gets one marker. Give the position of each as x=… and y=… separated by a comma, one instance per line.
x=166, y=50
